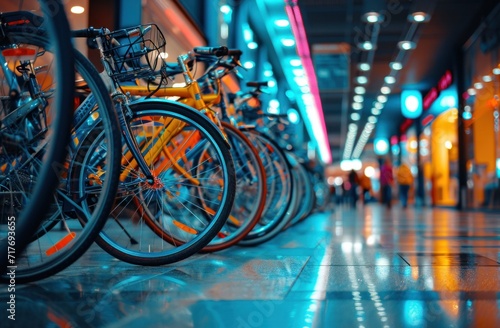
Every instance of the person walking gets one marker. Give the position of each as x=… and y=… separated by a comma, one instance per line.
x=405, y=181
x=366, y=188
x=353, y=191
x=386, y=182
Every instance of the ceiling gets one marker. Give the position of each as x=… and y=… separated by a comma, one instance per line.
x=339, y=22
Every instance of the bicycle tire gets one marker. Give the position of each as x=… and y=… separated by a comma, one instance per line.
x=118, y=235
x=280, y=195
x=91, y=217
x=305, y=190
x=31, y=215
x=255, y=201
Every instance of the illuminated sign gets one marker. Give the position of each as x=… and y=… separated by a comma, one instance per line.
x=411, y=103
x=428, y=119
x=381, y=146
x=444, y=83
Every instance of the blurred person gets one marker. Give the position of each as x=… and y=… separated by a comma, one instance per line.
x=366, y=187
x=405, y=181
x=353, y=191
x=386, y=182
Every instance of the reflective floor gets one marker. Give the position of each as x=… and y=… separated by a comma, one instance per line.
x=364, y=267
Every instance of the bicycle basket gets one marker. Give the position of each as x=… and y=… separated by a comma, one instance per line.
x=134, y=52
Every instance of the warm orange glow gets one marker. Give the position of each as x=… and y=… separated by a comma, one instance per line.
x=493, y=103
x=183, y=28
x=444, y=133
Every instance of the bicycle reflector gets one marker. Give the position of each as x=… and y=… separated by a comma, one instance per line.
x=21, y=53
x=60, y=244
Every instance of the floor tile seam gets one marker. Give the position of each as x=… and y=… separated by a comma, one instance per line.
x=296, y=278
x=399, y=254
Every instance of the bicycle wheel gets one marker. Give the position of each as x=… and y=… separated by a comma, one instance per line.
x=161, y=221
x=87, y=185
x=251, y=191
x=305, y=190
x=25, y=199
x=280, y=186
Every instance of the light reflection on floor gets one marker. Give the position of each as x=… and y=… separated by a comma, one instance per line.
x=369, y=267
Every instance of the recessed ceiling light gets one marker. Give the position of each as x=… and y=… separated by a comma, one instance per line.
x=249, y=64
x=419, y=17
x=281, y=22
x=355, y=116
x=407, y=45
x=478, y=85
x=382, y=99
x=301, y=81
x=372, y=17
x=385, y=90
x=376, y=111
x=362, y=79
x=295, y=62
x=357, y=106
x=359, y=90
x=487, y=78
x=77, y=10
x=252, y=45
x=496, y=71
x=225, y=9
x=390, y=79
x=298, y=72
x=471, y=91
x=364, y=67
x=367, y=45
x=288, y=42
x=372, y=119
x=396, y=66
x=358, y=98
x=378, y=105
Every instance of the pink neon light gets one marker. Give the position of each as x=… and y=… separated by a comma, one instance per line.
x=295, y=17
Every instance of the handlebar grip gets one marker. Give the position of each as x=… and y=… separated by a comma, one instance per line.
x=85, y=33
x=255, y=84
x=211, y=51
x=234, y=52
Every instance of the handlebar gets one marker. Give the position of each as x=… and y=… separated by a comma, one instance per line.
x=86, y=33
x=234, y=52
x=211, y=51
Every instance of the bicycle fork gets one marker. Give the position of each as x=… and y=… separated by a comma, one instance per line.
x=123, y=111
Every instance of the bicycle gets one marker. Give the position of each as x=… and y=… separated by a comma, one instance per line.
x=161, y=172
x=251, y=192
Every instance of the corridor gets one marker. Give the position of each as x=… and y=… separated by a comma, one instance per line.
x=368, y=267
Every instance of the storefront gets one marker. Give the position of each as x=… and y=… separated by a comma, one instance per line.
x=481, y=119
x=429, y=145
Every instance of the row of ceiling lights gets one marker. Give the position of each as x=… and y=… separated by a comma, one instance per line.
x=486, y=79
x=389, y=80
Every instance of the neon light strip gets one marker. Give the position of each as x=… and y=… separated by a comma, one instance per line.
x=315, y=116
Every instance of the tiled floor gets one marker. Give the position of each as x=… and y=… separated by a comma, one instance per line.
x=369, y=267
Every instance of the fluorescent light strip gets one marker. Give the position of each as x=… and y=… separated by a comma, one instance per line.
x=351, y=135
x=363, y=140
x=316, y=117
